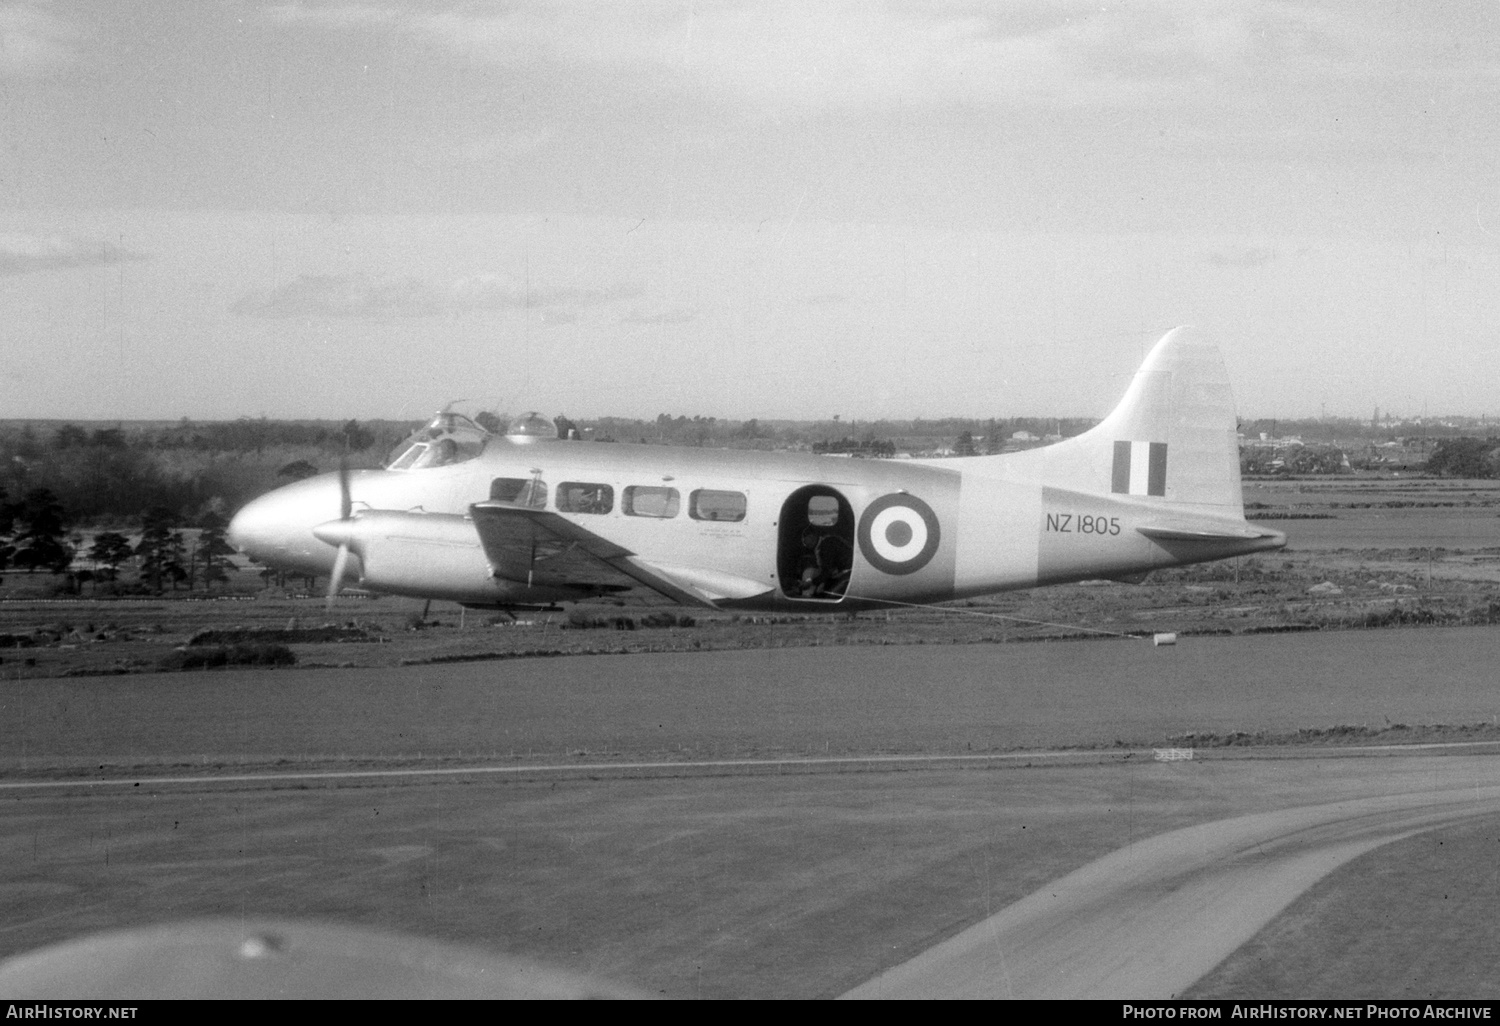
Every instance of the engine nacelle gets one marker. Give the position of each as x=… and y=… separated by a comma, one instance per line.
x=431, y=555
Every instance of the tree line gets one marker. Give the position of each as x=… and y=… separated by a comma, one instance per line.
x=109, y=476
x=106, y=476
x=36, y=535
x=1465, y=457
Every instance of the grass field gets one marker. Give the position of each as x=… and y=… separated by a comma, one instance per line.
x=1362, y=553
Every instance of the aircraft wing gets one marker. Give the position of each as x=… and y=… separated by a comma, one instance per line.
x=535, y=547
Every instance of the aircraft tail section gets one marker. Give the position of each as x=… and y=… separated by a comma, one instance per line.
x=1156, y=483
x=1171, y=441
x=1179, y=414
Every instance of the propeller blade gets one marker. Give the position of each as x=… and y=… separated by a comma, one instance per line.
x=346, y=510
x=336, y=579
x=346, y=501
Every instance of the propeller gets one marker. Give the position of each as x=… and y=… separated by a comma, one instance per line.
x=340, y=561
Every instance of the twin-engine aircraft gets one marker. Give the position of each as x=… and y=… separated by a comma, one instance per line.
x=529, y=519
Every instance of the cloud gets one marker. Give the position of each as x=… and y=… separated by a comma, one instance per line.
x=503, y=146
x=486, y=292
x=675, y=315
x=33, y=42
x=359, y=296
x=1241, y=256
x=340, y=296
x=853, y=53
x=341, y=16
x=22, y=254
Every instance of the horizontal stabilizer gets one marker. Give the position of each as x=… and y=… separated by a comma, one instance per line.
x=1228, y=532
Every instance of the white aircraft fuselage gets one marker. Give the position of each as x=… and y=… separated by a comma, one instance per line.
x=522, y=519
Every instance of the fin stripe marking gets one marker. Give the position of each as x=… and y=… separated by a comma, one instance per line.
x=1140, y=468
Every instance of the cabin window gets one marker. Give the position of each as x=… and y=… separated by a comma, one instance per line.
x=522, y=491
x=583, y=497
x=823, y=511
x=709, y=504
x=650, y=501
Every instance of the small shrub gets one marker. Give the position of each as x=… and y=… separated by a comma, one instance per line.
x=664, y=619
x=207, y=657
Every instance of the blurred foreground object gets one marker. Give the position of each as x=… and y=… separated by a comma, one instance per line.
x=250, y=958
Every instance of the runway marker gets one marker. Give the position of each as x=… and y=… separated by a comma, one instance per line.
x=851, y=762
x=848, y=763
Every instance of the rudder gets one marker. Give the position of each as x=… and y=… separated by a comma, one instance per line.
x=1172, y=438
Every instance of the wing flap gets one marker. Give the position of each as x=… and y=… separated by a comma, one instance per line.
x=712, y=584
x=534, y=547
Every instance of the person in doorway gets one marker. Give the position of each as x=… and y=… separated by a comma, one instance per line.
x=825, y=563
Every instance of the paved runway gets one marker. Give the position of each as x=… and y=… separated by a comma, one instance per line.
x=737, y=879
x=1149, y=920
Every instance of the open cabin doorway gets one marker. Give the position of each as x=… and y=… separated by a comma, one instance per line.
x=815, y=544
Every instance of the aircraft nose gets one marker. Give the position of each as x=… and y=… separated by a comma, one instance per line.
x=256, y=529
x=277, y=527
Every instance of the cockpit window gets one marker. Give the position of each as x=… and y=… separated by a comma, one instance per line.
x=448, y=438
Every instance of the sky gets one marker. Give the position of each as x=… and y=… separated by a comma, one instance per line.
x=777, y=210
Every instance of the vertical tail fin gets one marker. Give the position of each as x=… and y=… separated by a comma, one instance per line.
x=1172, y=439
x=1179, y=404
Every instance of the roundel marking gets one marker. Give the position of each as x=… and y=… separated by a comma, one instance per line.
x=898, y=534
